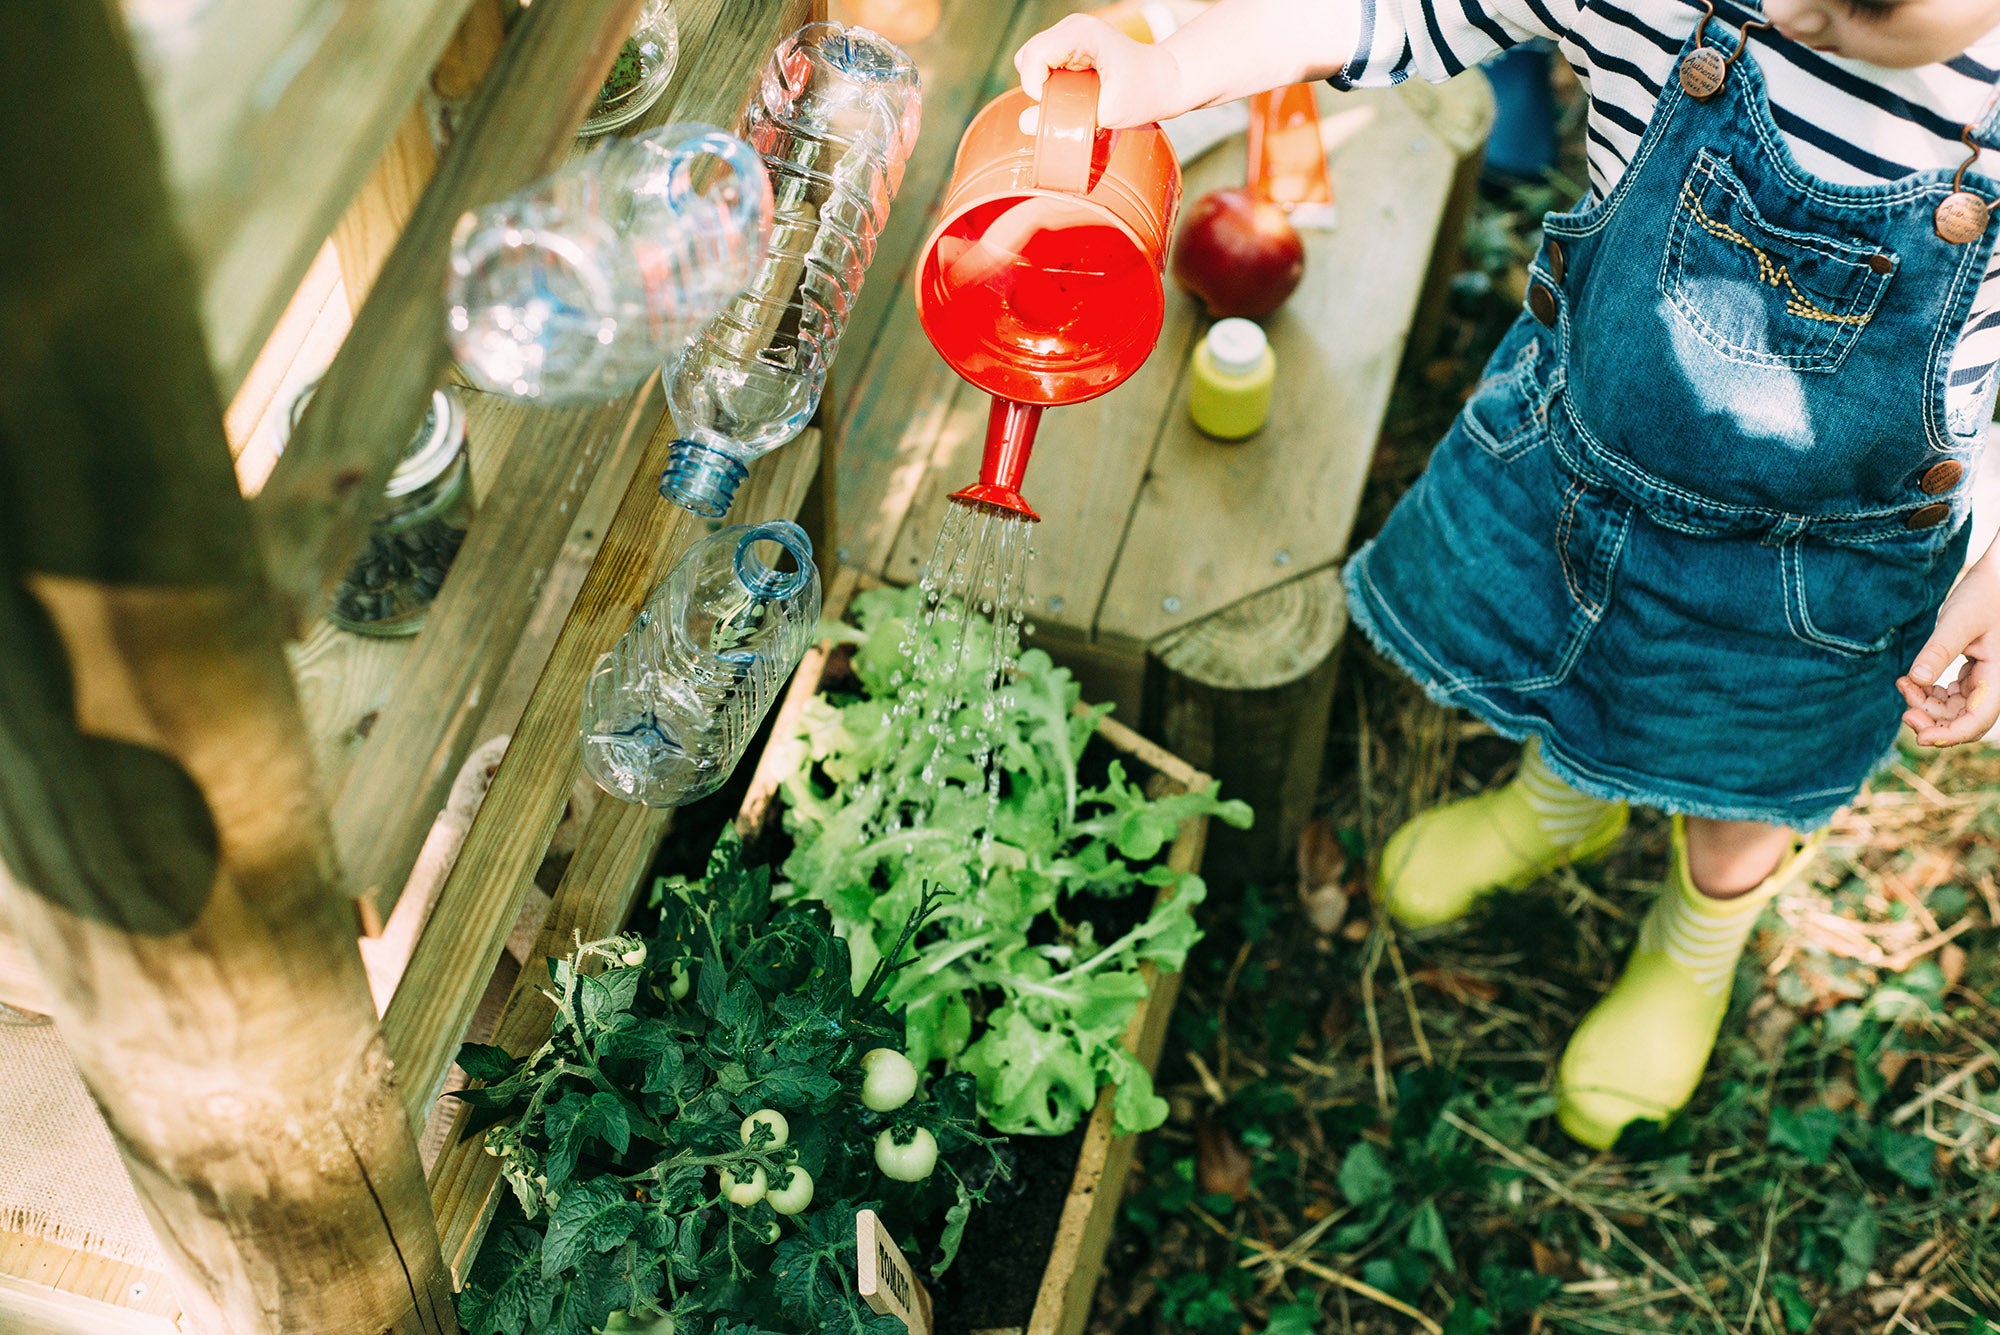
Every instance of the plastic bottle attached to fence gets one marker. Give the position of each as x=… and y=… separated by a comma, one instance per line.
x=668, y=713
x=582, y=284
x=835, y=118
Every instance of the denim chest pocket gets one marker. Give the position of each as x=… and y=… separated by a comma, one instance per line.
x=1759, y=293
x=1508, y=413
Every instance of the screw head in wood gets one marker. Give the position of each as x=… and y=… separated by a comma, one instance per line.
x=1170, y=603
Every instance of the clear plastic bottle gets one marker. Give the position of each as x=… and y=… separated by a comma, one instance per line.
x=668, y=713
x=835, y=118
x=582, y=284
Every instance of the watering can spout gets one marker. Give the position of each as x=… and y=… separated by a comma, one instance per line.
x=1010, y=438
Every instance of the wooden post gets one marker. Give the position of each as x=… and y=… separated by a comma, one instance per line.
x=158, y=809
x=1246, y=695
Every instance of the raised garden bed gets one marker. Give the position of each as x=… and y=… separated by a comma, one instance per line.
x=1072, y=1228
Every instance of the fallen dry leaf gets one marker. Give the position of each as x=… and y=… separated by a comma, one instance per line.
x=1220, y=1164
x=1323, y=872
x=1457, y=984
x=1951, y=962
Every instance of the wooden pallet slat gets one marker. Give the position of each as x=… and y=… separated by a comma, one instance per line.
x=314, y=511
x=436, y=706
x=598, y=891
x=270, y=114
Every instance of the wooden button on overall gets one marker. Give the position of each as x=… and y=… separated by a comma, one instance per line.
x=1542, y=304
x=1942, y=477
x=1558, y=262
x=1925, y=516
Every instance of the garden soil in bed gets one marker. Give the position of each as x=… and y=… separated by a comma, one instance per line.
x=998, y=1272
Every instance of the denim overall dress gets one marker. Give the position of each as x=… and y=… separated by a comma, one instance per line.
x=1703, y=509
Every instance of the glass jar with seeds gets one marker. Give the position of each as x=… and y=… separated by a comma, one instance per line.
x=640, y=71
x=426, y=509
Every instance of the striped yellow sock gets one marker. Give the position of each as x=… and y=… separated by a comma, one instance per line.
x=1437, y=867
x=1640, y=1052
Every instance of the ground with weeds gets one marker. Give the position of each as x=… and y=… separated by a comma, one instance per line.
x=1361, y=1136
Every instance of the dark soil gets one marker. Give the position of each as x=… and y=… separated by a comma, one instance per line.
x=999, y=1268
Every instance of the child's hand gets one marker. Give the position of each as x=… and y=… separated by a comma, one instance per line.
x=1137, y=83
x=1969, y=624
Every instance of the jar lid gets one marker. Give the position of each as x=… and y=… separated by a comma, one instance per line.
x=1236, y=344
x=430, y=452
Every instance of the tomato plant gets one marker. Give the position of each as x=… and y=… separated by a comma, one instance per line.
x=699, y=1158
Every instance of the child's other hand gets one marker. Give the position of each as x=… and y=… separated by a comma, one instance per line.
x=1137, y=83
x=1969, y=624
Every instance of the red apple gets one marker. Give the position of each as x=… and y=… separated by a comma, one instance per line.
x=1239, y=254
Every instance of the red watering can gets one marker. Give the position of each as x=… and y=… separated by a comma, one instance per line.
x=1041, y=285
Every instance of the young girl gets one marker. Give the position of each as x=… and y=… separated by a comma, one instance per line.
x=1711, y=496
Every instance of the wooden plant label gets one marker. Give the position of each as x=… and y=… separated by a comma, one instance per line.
x=887, y=1284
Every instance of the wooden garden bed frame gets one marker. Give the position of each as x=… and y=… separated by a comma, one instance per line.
x=186, y=876
x=1062, y=1305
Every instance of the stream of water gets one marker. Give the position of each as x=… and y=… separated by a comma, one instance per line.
x=962, y=648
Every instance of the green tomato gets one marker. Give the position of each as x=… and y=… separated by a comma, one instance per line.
x=888, y=1080
x=910, y=1162
x=781, y=1130
x=771, y=1233
x=677, y=986
x=795, y=1195
x=744, y=1191
x=634, y=957
x=622, y=1323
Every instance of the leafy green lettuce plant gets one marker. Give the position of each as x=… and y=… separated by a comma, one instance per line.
x=617, y=1132
x=1009, y=982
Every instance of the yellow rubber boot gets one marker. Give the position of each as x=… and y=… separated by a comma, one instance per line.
x=1442, y=863
x=1640, y=1052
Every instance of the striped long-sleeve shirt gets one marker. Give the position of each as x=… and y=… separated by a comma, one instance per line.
x=1848, y=122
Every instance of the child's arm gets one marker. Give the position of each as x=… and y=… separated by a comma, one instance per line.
x=1969, y=624
x=1236, y=48
x=1239, y=47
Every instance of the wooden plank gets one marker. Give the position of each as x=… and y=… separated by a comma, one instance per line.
x=171, y=871
x=1216, y=523
x=263, y=388
x=126, y=1291
x=904, y=398
x=435, y=710
x=595, y=898
x=270, y=113
x=27, y=1308
x=1097, y=1192
x=1461, y=112
x=314, y=511
x=956, y=63
x=367, y=231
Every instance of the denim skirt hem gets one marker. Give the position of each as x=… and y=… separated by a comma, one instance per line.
x=1517, y=718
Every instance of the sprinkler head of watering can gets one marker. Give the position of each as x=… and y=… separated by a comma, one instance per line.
x=1010, y=439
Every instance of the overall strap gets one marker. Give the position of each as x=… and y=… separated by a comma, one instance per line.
x=1985, y=132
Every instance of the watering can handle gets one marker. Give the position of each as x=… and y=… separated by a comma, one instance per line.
x=1067, y=132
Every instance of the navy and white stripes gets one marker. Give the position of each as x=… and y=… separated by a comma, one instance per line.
x=1845, y=121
